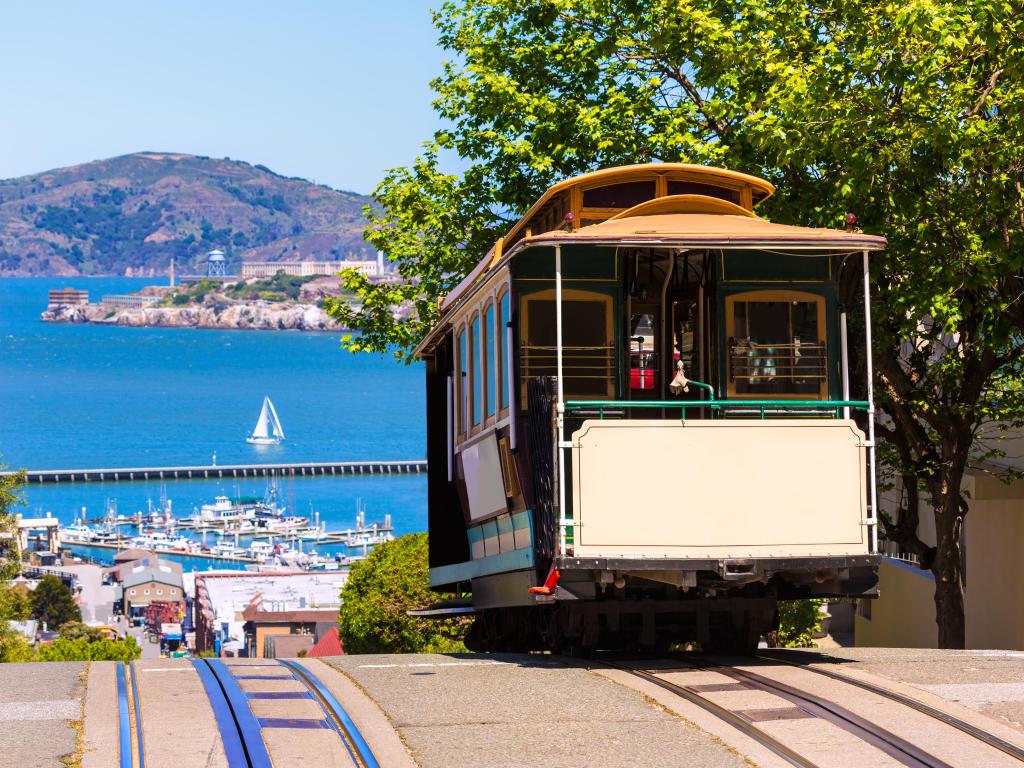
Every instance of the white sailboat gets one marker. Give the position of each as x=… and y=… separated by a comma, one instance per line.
x=268, y=428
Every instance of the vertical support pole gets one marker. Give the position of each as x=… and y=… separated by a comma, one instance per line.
x=560, y=405
x=872, y=491
x=844, y=361
x=449, y=419
x=510, y=380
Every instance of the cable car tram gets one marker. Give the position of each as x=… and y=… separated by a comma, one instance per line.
x=639, y=421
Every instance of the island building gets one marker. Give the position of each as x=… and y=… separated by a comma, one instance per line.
x=374, y=268
x=280, y=603
x=216, y=263
x=68, y=296
x=129, y=300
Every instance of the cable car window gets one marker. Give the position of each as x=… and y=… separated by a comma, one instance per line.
x=675, y=187
x=462, y=377
x=477, y=372
x=503, y=333
x=588, y=355
x=620, y=195
x=776, y=345
x=492, y=358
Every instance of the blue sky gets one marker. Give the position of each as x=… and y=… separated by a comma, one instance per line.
x=331, y=91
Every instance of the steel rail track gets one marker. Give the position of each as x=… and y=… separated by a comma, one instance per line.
x=984, y=736
x=733, y=719
x=898, y=748
x=124, y=723
x=895, y=746
x=138, y=716
x=241, y=730
x=354, y=742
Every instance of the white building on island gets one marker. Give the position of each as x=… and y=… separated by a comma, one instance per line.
x=374, y=268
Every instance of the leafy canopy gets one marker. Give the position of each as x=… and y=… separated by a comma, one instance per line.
x=377, y=594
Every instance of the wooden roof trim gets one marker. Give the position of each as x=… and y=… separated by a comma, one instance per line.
x=684, y=204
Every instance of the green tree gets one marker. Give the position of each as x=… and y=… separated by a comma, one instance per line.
x=52, y=602
x=901, y=112
x=10, y=544
x=377, y=594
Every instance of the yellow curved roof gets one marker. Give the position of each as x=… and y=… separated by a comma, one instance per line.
x=608, y=175
x=708, y=230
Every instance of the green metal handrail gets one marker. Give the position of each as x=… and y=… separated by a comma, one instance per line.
x=601, y=405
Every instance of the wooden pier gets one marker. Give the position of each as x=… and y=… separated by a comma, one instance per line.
x=306, y=469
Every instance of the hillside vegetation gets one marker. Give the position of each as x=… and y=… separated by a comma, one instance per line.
x=132, y=214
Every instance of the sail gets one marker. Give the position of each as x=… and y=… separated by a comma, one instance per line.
x=275, y=422
x=261, y=425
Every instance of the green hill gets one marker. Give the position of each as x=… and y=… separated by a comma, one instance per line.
x=132, y=214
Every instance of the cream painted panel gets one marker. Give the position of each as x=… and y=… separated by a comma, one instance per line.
x=719, y=488
x=484, y=484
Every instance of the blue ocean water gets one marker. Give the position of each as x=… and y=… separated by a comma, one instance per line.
x=80, y=396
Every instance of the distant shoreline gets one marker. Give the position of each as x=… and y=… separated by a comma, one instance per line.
x=245, y=316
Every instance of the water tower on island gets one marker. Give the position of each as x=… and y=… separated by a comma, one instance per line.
x=216, y=263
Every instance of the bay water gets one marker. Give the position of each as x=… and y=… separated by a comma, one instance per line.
x=94, y=396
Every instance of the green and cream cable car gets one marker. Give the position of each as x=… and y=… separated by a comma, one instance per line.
x=639, y=422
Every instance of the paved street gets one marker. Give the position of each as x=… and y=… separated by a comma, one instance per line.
x=503, y=710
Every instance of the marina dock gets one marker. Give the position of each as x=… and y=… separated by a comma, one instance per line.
x=305, y=469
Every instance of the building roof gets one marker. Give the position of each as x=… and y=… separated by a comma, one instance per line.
x=130, y=555
x=161, y=575
x=277, y=591
x=328, y=645
x=257, y=615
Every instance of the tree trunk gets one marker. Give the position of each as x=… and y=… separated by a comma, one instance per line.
x=948, y=570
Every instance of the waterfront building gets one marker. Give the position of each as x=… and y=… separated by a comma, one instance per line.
x=129, y=300
x=68, y=296
x=222, y=598
x=148, y=585
x=310, y=268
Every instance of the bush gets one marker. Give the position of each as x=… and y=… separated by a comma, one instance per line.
x=81, y=649
x=798, y=621
x=15, y=605
x=379, y=591
x=75, y=630
x=13, y=646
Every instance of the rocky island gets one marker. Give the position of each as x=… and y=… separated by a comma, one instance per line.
x=280, y=303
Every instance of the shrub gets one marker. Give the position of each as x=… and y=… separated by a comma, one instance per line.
x=81, y=649
x=13, y=645
x=15, y=605
x=798, y=621
x=74, y=630
x=379, y=591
